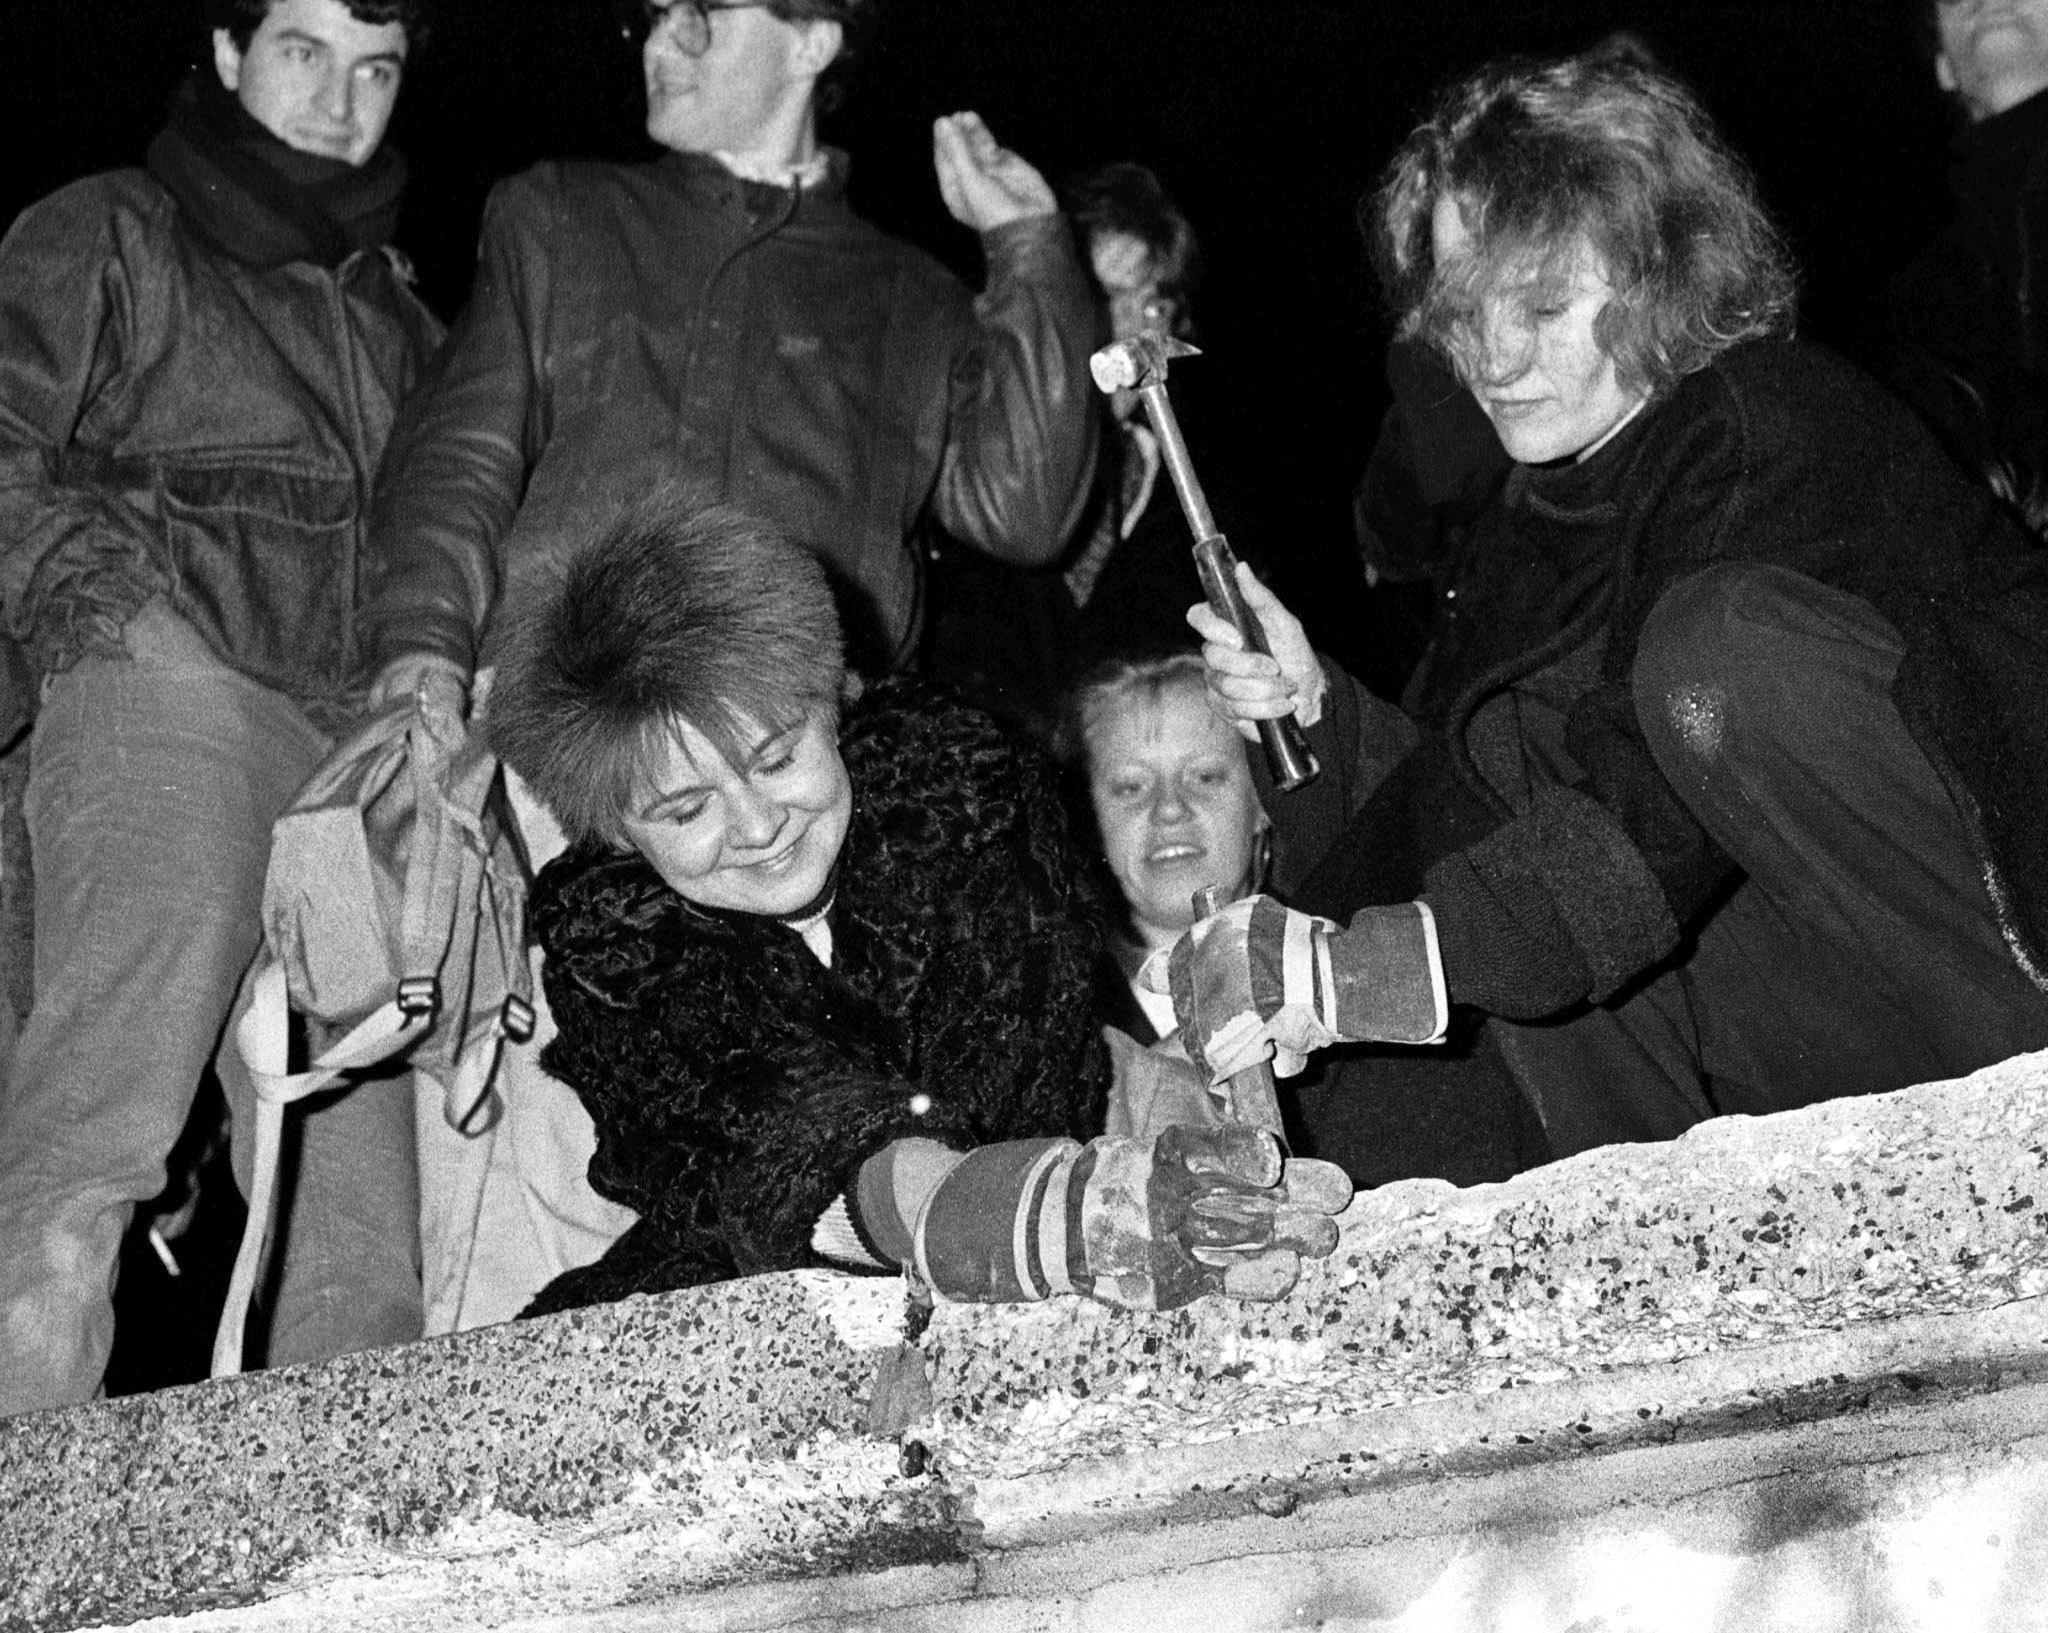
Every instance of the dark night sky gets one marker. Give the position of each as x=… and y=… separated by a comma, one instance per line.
x=1268, y=118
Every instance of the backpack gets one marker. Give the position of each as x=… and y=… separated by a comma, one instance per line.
x=393, y=915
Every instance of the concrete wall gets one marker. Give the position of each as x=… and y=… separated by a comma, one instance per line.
x=1789, y=1372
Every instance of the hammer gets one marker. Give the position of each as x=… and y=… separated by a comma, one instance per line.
x=1140, y=363
x=1248, y=1096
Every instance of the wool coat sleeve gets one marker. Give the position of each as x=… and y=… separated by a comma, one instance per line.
x=456, y=468
x=1595, y=878
x=1359, y=741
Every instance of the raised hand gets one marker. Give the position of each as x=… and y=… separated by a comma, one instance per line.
x=1249, y=686
x=984, y=184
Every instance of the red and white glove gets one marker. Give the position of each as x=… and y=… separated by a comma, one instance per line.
x=1259, y=980
x=1146, y=1224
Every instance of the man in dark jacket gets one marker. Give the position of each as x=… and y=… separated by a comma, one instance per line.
x=1966, y=324
x=722, y=315
x=204, y=361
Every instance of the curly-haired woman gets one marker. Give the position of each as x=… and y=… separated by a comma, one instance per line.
x=1720, y=788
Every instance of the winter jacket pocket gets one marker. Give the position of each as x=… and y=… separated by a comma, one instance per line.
x=263, y=565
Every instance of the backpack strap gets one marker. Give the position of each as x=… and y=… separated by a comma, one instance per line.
x=455, y=865
x=263, y=1036
x=459, y=866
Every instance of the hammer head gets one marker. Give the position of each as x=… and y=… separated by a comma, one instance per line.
x=1134, y=364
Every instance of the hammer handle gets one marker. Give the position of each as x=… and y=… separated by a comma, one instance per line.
x=1288, y=757
x=1249, y=1096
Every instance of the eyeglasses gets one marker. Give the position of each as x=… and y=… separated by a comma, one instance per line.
x=689, y=21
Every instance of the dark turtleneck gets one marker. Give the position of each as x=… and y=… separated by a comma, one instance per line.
x=261, y=201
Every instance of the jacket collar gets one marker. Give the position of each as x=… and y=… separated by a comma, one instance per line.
x=702, y=177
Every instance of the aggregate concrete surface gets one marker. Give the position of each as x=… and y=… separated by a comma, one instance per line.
x=1847, y=1259
x=1746, y=1232
x=217, y=1493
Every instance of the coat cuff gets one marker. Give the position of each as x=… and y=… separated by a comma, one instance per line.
x=879, y=1211
x=1387, y=976
x=998, y=1229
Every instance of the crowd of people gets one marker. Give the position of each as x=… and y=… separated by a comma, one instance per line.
x=829, y=625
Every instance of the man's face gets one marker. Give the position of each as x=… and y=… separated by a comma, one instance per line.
x=1994, y=53
x=317, y=78
x=753, y=73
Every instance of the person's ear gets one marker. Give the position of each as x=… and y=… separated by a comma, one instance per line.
x=1944, y=72
x=227, y=59
x=819, y=43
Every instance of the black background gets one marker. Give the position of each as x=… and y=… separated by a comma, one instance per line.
x=1268, y=119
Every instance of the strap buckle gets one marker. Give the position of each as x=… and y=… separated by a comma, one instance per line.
x=516, y=1018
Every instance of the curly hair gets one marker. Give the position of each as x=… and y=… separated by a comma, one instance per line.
x=241, y=18
x=1547, y=162
x=675, y=611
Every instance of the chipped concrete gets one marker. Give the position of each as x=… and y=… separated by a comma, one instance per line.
x=1795, y=1370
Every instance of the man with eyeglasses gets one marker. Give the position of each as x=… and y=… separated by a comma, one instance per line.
x=1966, y=328
x=723, y=316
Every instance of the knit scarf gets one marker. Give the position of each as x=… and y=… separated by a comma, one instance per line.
x=260, y=201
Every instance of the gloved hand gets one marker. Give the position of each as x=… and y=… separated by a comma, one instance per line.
x=1204, y=1210
x=1144, y=1224
x=1258, y=978
x=1249, y=981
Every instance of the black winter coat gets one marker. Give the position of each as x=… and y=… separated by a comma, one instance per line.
x=1550, y=896
x=737, y=1083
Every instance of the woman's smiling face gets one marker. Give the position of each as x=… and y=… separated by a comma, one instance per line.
x=1173, y=801
x=759, y=836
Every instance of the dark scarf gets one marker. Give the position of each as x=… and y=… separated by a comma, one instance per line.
x=260, y=201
